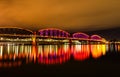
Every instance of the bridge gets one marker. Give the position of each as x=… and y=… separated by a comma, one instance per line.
x=53, y=35
x=15, y=34
x=49, y=35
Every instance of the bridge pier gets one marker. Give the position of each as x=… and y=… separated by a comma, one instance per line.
x=34, y=39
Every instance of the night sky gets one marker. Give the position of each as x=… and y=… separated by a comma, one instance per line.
x=65, y=14
x=70, y=15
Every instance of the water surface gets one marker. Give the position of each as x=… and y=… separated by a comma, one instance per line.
x=40, y=60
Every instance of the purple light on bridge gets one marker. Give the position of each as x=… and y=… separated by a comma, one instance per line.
x=41, y=33
x=51, y=32
x=63, y=35
x=80, y=35
x=96, y=37
x=59, y=33
x=55, y=32
x=46, y=32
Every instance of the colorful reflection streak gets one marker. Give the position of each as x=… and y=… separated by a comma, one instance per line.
x=14, y=54
x=118, y=47
x=52, y=54
x=80, y=52
x=98, y=50
x=114, y=47
x=11, y=54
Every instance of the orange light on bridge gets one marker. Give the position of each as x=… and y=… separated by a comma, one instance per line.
x=34, y=40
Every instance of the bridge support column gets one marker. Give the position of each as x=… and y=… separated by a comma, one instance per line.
x=34, y=39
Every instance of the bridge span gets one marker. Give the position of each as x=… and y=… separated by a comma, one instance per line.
x=49, y=35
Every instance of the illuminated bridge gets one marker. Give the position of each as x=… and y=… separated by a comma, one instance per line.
x=46, y=36
x=60, y=36
x=83, y=38
x=14, y=34
x=52, y=35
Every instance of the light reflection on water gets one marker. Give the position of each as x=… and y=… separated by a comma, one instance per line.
x=14, y=54
x=80, y=52
x=98, y=50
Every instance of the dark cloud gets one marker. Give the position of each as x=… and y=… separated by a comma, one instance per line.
x=64, y=14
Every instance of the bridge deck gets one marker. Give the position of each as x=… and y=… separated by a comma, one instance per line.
x=48, y=37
